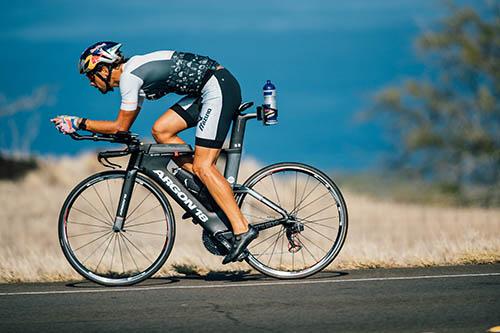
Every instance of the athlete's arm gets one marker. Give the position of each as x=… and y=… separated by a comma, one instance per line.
x=131, y=103
x=122, y=123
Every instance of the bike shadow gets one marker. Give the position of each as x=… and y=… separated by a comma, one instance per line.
x=149, y=282
x=228, y=276
x=245, y=276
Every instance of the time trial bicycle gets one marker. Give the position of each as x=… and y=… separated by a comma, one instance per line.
x=117, y=227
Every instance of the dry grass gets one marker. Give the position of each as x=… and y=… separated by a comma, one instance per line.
x=381, y=234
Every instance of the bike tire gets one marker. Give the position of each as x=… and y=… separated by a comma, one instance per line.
x=111, y=277
x=286, y=175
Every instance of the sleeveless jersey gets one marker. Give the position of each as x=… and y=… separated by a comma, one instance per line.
x=156, y=74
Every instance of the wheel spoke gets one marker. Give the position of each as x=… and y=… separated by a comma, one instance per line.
x=319, y=233
x=97, y=248
x=144, y=223
x=274, y=248
x=92, y=241
x=110, y=197
x=88, y=233
x=92, y=216
x=145, y=232
x=266, y=239
x=319, y=220
x=263, y=252
x=113, y=253
x=282, y=251
x=313, y=201
x=295, y=192
x=305, y=247
x=307, y=196
x=316, y=223
x=303, y=191
x=139, y=205
x=319, y=211
x=138, y=217
x=131, y=243
x=303, y=258
x=130, y=253
x=105, y=207
x=313, y=243
x=91, y=205
x=89, y=224
x=121, y=253
x=275, y=191
x=106, y=249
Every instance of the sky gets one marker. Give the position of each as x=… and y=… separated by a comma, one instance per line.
x=326, y=58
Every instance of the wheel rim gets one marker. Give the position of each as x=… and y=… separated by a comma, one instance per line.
x=314, y=205
x=109, y=257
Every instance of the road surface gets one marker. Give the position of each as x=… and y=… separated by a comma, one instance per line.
x=439, y=299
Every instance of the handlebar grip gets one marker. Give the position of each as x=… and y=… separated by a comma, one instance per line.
x=120, y=137
x=107, y=154
x=94, y=137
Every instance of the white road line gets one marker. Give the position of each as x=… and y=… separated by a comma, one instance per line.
x=237, y=284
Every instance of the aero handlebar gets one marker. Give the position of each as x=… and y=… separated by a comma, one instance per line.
x=120, y=137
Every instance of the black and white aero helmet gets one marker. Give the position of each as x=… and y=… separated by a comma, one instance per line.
x=99, y=53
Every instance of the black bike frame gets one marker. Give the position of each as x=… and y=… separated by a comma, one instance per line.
x=155, y=166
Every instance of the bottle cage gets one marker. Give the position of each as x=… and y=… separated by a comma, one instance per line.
x=262, y=114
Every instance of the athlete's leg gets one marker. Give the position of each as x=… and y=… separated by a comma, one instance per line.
x=220, y=98
x=204, y=167
x=165, y=130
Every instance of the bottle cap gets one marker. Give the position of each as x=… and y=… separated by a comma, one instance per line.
x=269, y=85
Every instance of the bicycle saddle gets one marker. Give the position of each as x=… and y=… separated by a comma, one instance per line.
x=170, y=148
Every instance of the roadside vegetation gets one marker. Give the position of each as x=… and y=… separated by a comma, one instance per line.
x=445, y=123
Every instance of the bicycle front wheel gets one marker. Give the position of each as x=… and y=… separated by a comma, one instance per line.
x=316, y=228
x=123, y=257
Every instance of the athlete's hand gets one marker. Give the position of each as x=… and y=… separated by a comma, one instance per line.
x=66, y=124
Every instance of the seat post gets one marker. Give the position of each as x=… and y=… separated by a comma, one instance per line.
x=236, y=147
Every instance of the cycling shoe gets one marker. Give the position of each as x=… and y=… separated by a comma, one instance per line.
x=240, y=243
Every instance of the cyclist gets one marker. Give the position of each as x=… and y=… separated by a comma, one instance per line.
x=212, y=97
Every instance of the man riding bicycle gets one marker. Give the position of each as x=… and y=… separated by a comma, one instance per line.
x=212, y=97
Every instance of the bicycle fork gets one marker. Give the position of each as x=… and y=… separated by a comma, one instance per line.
x=125, y=196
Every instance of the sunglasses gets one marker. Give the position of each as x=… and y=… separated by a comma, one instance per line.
x=91, y=76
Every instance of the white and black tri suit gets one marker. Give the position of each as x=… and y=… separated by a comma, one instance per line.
x=212, y=93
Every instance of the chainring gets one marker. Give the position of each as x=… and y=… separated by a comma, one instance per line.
x=212, y=245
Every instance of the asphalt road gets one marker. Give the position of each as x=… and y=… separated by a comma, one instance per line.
x=440, y=299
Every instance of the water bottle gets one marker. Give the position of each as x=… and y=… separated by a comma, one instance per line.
x=188, y=180
x=270, y=108
x=195, y=186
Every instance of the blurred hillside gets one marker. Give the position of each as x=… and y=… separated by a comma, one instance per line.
x=382, y=233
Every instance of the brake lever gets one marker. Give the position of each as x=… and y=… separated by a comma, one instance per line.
x=107, y=163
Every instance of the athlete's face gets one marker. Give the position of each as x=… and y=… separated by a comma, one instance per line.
x=97, y=80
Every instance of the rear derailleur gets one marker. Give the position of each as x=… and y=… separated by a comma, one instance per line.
x=293, y=229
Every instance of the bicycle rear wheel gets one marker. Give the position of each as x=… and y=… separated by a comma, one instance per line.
x=317, y=220
x=116, y=258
